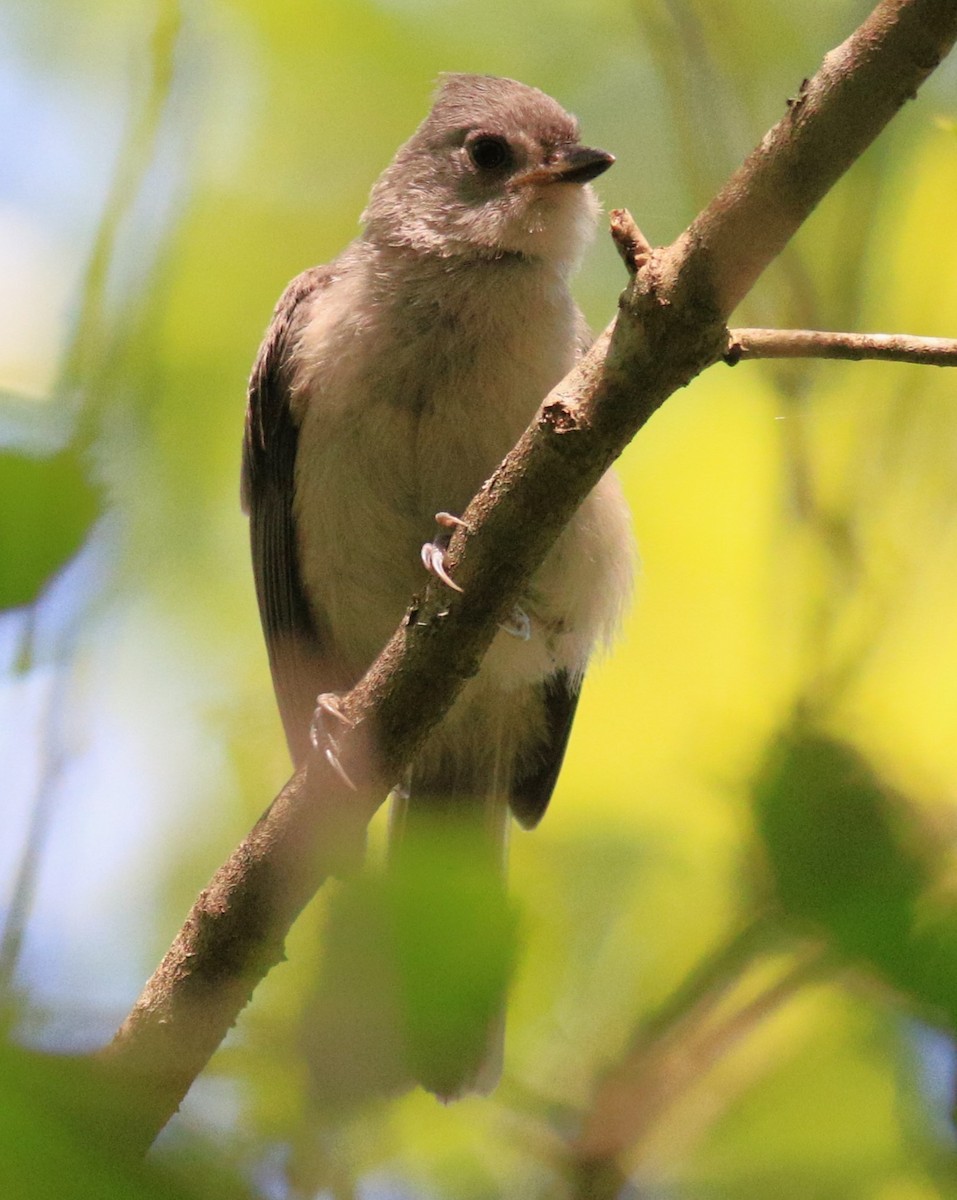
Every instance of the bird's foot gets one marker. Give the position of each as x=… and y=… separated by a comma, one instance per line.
x=518, y=624
x=327, y=715
x=433, y=553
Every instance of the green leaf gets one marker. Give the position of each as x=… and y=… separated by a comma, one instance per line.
x=416, y=968
x=850, y=856
x=47, y=507
x=62, y=1134
x=454, y=937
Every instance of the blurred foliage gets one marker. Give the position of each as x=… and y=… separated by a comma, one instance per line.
x=734, y=933
x=849, y=856
x=58, y=1137
x=416, y=963
x=47, y=507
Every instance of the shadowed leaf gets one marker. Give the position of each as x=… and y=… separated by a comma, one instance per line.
x=849, y=855
x=47, y=507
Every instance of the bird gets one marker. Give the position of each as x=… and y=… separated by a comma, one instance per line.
x=389, y=385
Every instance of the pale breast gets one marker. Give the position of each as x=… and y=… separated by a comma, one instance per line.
x=411, y=390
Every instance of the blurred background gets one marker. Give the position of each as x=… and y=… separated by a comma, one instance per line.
x=724, y=987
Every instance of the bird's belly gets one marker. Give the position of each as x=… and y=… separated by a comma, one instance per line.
x=369, y=481
x=378, y=459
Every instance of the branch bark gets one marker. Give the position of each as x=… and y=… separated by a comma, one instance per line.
x=816, y=343
x=671, y=326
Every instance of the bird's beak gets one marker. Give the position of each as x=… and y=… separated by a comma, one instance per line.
x=573, y=164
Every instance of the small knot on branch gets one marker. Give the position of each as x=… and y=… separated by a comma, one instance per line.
x=735, y=351
x=558, y=417
x=630, y=242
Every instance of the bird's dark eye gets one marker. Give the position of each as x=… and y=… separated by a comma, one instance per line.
x=490, y=153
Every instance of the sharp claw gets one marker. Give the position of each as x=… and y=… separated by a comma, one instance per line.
x=337, y=766
x=433, y=553
x=433, y=558
x=328, y=704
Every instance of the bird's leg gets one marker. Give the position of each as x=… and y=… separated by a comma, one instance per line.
x=433, y=553
x=518, y=624
x=329, y=710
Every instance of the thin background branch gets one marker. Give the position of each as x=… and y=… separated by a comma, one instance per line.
x=675, y=1049
x=815, y=343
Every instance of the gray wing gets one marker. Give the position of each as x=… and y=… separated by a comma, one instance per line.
x=298, y=652
x=532, y=788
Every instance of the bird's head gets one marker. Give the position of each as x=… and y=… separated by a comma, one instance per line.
x=495, y=169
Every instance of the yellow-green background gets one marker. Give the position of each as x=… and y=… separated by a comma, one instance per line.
x=796, y=525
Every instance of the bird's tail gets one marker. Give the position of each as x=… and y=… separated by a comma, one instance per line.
x=455, y=933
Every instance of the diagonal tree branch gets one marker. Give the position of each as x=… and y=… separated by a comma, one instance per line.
x=671, y=326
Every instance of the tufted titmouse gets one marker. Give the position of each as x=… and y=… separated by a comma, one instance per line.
x=390, y=384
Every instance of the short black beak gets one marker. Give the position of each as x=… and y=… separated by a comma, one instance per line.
x=580, y=164
x=572, y=164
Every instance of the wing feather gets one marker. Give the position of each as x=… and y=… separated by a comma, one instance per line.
x=294, y=640
x=532, y=788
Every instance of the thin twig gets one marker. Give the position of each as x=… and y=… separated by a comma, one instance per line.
x=630, y=242
x=815, y=343
x=667, y=1060
x=88, y=345
x=54, y=759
